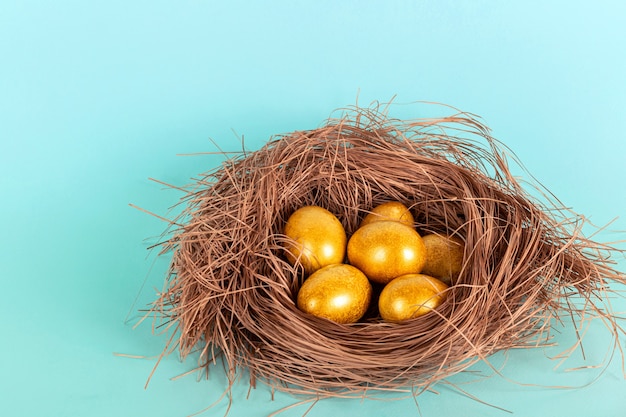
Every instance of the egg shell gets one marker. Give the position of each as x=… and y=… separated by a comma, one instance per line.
x=384, y=250
x=410, y=296
x=444, y=257
x=317, y=238
x=392, y=210
x=340, y=293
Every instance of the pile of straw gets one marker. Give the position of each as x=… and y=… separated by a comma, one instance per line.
x=231, y=292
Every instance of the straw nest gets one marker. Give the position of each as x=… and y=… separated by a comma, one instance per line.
x=231, y=292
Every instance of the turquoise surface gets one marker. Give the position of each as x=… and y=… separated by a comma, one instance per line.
x=96, y=97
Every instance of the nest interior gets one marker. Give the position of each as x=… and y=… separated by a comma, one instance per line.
x=231, y=292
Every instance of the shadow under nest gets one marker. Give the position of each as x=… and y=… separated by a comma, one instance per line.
x=231, y=292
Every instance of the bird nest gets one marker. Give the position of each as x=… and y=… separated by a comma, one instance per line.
x=231, y=292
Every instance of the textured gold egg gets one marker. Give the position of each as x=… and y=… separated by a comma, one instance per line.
x=384, y=250
x=340, y=293
x=410, y=296
x=444, y=257
x=319, y=238
x=392, y=210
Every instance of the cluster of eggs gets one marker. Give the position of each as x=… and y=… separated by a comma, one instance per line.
x=412, y=272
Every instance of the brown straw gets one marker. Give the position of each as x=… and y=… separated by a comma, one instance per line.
x=231, y=292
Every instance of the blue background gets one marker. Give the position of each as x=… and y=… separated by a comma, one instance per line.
x=96, y=97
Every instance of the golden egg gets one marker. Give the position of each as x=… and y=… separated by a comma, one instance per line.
x=393, y=210
x=444, y=257
x=318, y=238
x=410, y=296
x=340, y=293
x=384, y=250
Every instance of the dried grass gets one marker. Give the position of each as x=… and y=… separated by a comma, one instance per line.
x=231, y=293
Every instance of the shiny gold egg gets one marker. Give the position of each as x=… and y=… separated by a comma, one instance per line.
x=340, y=293
x=384, y=250
x=444, y=257
x=392, y=210
x=410, y=296
x=317, y=238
